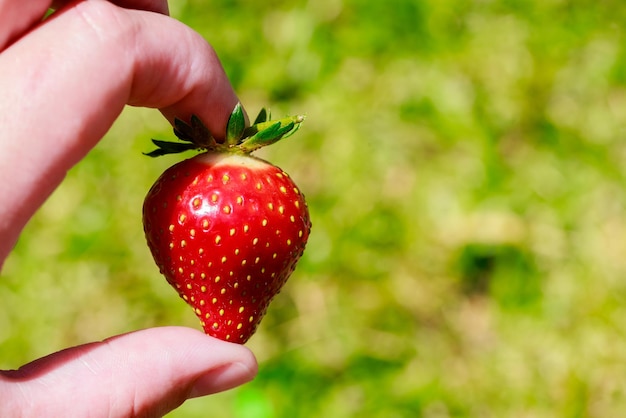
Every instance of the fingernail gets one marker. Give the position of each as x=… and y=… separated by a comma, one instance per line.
x=221, y=379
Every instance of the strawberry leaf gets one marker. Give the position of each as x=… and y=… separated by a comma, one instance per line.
x=200, y=133
x=292, y=131
x=182, y=130
x=266, y=137
x=196, y=132
x=262, y=126
x=266, y=133
x=236, y=125
x=181, y=135
x=263, y=116
x=166, y=147
x=238, y=138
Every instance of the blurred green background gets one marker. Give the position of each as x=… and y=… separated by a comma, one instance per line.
x=464, y=167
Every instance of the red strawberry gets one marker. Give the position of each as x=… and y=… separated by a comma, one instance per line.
x=225, y=228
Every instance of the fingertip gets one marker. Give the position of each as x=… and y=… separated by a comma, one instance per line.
x=224, y=378
x=197, y=365
x=239, y=364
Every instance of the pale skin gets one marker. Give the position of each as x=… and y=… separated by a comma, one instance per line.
x=64, y=81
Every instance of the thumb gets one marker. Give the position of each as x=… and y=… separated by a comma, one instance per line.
x=142, y=374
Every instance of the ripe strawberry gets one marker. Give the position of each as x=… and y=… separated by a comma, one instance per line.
x=225, y=228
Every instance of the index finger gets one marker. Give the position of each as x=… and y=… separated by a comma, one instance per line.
x=57, y=103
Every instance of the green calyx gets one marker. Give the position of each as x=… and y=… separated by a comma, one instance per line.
x=239, y=138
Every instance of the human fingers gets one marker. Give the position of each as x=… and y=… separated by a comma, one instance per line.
x=59, y=100
x=158, y=6
x=142, y=374
x=17, y=16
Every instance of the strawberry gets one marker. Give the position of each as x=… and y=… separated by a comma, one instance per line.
x=226, y=229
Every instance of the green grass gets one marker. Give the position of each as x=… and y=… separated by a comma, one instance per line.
x=464, y=167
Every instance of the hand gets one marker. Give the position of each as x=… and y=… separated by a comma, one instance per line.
x=63, y=83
